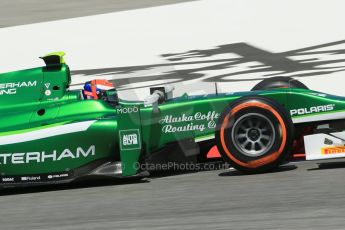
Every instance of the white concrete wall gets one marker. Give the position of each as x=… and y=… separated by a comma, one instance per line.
x=235, y=39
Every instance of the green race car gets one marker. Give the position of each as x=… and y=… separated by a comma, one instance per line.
x=50, y=134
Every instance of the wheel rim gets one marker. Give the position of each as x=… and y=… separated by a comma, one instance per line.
x=253, y=134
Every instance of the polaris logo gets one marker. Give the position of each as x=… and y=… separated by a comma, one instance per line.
x=314, y=109
x=42, y=157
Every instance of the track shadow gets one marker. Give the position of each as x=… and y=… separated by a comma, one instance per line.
x=70, y=186
x=282, y=168
x=169, y=173
x=201, y=167
x=103, y=182
x=328, y=165
x=194, y=64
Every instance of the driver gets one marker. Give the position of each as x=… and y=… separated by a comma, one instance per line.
x=100, y=89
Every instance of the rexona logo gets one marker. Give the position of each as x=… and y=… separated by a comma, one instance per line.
x=333, y=150
x=310, y=110
x=130, y=139
x=42, y=157
x=11, y=87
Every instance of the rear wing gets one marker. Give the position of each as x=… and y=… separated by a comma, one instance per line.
x=54, y=59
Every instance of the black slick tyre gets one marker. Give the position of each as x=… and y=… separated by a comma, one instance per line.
x=254, y=134
x=279, y=82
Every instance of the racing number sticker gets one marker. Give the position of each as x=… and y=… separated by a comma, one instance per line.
x=130, y=139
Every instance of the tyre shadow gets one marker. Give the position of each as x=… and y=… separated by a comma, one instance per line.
x=282, y=168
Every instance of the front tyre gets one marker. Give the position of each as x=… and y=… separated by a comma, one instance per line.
x=254, y=134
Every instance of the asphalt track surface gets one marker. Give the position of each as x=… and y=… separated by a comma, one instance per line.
x=296, y=196
x=19, y=12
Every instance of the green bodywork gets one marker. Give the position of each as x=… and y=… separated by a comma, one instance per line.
x=41, y=123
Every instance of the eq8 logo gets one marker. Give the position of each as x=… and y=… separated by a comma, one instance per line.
x=130, y=139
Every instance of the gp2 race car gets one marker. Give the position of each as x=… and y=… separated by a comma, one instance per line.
x=50, y=134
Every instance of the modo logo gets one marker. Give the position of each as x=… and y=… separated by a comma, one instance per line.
x=127, y=110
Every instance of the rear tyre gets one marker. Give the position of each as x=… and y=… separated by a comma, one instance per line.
x=254, y=134
x=279, y=82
